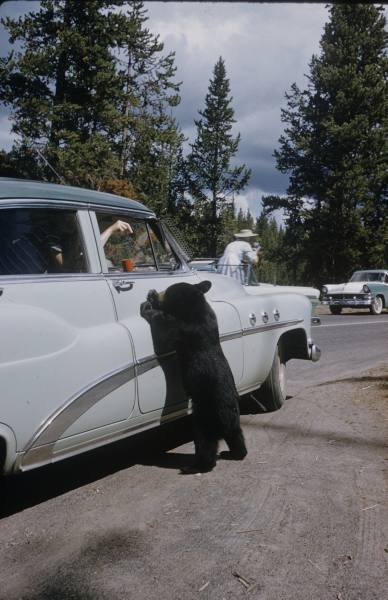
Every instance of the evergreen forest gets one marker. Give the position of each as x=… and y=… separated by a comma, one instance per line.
x=92, y=95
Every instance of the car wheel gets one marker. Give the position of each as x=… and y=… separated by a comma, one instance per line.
x=377, y=306
x=272, y=393
x=335, y=310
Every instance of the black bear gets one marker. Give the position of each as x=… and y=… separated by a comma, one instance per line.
x=206, y=374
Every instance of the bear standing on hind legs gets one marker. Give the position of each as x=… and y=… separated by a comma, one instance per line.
x=206, y=374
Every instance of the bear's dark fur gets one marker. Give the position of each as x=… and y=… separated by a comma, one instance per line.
x=206, y=375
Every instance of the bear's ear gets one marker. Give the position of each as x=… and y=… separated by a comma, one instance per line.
x=204, y=286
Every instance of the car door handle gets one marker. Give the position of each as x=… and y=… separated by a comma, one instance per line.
x=122, y=285
x=1, y=291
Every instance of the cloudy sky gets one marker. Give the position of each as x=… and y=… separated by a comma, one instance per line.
x=266, y=47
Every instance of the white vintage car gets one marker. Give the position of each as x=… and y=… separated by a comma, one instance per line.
x=247, y=276
x=365, y=289
x=79, y=365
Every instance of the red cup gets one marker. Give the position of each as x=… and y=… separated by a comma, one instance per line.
x=128, y=264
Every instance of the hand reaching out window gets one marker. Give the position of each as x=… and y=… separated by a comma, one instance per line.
x=116, y=227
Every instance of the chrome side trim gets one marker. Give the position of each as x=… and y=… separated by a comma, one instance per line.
x=150, y=362
x=44, y=454
x=225, y=337
x=55, y=425
x=51, y=278
x=267, y=327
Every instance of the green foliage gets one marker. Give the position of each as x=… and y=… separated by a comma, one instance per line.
x=63, y=85
x=244, y=220
x=151, y=139
x=212, y=179
x=335, y=148
x=120, y=187
x=272, y=267
x=91, y=89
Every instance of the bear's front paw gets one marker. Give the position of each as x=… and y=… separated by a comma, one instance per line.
x=145, y=309
x=153, y=298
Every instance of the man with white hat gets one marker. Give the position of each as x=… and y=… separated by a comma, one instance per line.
x=237, y=254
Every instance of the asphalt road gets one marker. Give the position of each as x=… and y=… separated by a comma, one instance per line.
x=350, y=343
x=303, y=517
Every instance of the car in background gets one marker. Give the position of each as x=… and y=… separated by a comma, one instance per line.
x=80, y=365
x=365, y=289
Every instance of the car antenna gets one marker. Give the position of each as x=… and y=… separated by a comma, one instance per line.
x=41, y=155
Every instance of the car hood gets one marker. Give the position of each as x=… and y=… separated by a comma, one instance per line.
x=283, y=289
x=354, y=287
x=227, y=287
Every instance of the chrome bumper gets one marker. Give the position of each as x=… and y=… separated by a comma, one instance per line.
x=349, y=302
x=314, y=352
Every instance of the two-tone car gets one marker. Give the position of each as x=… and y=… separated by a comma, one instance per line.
x=365, y=289
x=79, y=365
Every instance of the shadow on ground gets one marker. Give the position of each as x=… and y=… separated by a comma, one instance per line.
x=18, y=492
x=299, y=432
x=81, y=576
x=151, y=448
x=380, y=380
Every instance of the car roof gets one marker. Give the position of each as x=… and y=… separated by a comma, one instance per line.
x=371, y=271
x=39, y=190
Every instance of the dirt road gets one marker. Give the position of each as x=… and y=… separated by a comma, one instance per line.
x=305, y=516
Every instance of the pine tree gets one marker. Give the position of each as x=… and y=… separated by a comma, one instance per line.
x=213, y=180
x=272, y=267
x=335, y=147
x=151, y=138
x=90, y=88
x=63, y=86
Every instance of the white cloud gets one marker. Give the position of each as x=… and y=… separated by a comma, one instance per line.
x=249, y=199
x=252, y=200
x=266, y=47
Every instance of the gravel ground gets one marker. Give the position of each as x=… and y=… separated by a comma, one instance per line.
x=304, y=516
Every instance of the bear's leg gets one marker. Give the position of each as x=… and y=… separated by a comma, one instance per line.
x=236, y=445
x=205, y=454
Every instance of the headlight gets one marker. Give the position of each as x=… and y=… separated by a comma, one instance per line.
x=366, y=289
x=324, y=290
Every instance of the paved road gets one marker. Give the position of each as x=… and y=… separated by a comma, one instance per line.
x=303, y=517
x=350, y=343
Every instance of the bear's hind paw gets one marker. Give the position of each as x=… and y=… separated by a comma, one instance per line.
x=228, y=455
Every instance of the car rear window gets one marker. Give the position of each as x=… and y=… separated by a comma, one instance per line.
x=35, y=241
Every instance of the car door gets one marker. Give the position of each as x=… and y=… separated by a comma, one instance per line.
x=66, y=365
x=144, y=249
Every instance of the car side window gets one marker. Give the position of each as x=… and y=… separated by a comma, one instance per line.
x=165, y=258
x=126, y=243
x=35, y=241
x=134, y=245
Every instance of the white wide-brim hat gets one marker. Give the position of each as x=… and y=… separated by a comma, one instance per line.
x=245, y=233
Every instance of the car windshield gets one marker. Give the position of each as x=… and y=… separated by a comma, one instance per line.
x=367, y=276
